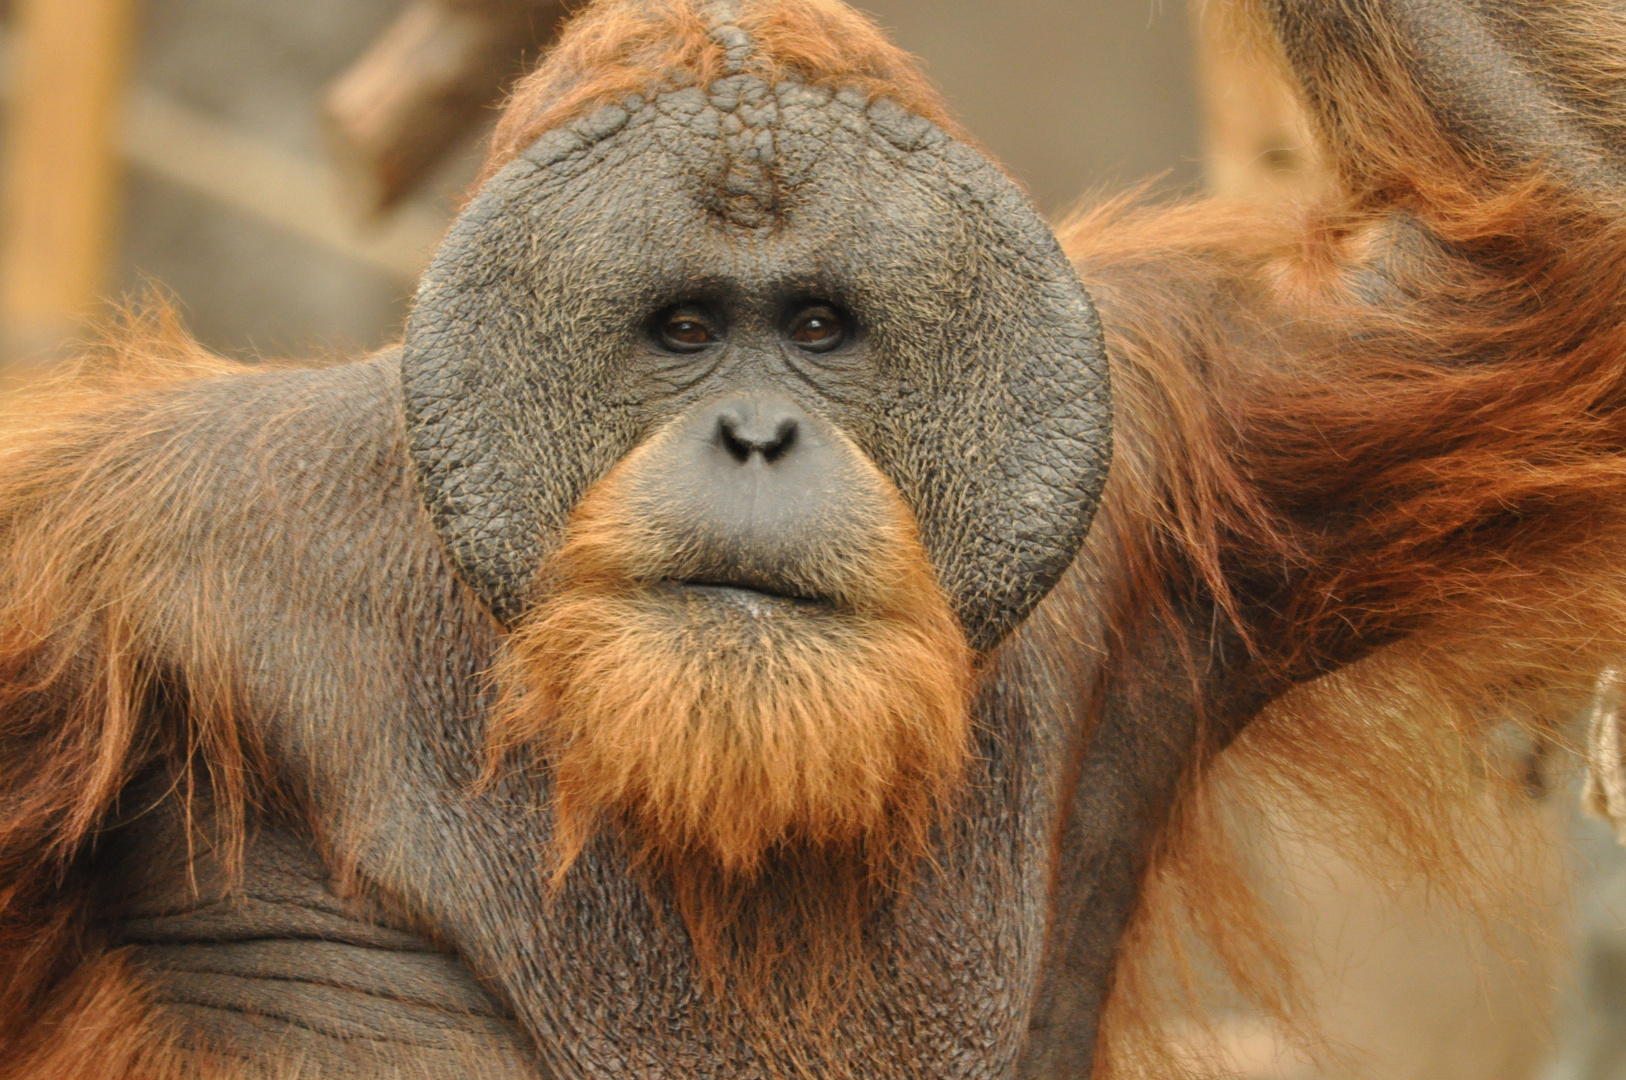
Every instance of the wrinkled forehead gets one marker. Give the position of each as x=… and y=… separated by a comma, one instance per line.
x=744, y=176
x=756, y=154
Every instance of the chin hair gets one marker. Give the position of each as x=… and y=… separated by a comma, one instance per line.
x=775, y=765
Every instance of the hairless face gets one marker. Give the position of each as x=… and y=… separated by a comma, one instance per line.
x=778, y=258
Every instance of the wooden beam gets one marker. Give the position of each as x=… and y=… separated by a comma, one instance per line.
x=430, y=80
x=257, y=177
x=62, y=164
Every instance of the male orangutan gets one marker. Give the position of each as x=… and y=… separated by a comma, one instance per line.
x=690, y=654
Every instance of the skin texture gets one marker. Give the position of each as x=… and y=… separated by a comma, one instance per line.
x=280, y=777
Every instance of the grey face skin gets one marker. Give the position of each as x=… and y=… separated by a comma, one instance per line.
x=968, y=363
x=761, y=492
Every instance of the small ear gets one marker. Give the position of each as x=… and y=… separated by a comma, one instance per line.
x=1604, y=795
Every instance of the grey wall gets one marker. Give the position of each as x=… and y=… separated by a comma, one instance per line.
x=1071, y=94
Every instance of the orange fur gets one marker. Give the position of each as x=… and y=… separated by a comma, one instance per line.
x=77, y=706
x=114, y=657
x=1447, y=475
x=81, y=710
x=99, y=1025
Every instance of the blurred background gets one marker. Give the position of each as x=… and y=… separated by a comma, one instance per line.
x=284, y=168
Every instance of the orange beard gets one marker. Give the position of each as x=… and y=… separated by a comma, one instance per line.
x=727, y=732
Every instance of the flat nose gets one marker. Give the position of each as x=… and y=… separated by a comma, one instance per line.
x=747, y=428
x=755, y=492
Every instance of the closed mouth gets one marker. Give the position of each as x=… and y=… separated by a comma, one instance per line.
x=756, y=601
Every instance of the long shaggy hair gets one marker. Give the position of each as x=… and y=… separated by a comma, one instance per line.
x=1382, y=429
x=723, y=736
x=84, y=452
x=1429, y=490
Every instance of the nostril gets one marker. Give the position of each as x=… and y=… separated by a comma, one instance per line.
x=784, y=437
x=728, y=434
x=741, y=438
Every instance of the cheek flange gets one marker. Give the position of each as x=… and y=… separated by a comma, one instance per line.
x=993, y=413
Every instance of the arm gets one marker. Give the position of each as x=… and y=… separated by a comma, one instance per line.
x=1392, y=415
x=1382, y=431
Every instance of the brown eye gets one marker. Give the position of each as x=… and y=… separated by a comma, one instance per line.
x=684, y=331
x=818, y=329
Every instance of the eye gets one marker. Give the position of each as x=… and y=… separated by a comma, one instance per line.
x=818, y=329
x=684, y=329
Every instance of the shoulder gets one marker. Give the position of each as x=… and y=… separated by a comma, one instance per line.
x=172, y=488
x=180, y=443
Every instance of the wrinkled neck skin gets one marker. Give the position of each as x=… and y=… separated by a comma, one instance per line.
x=365, y=683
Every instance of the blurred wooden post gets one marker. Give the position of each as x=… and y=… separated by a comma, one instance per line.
x=1257, y=142
x=431, y=79
x=62, y=165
